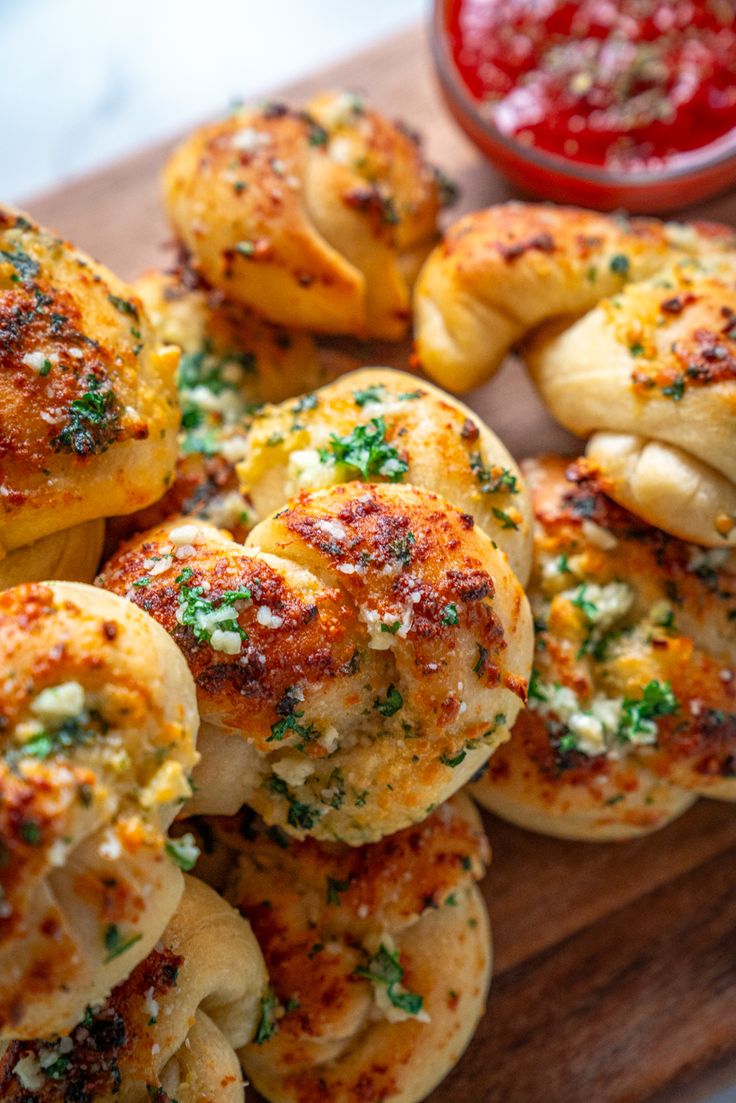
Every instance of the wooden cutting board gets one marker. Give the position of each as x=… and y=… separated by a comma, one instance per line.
x=615, y=977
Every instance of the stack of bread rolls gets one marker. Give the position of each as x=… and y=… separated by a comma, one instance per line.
x=301, y=650
x=627, y=327
x=232, y=835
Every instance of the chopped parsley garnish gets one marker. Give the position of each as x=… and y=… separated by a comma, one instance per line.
x=92, y=423
x=385, y=968
x=334, y=888
x=316, y=134
x=376, y=393
x=306, y=402
x=492, y=479
x=30, y=832
x=124, y=306
x=507, y=522
x=367, y=452
x=588, y=608
x=637, y=716
x=58, y=1070
x=391, y=703
x=619, y=264
x=290, y=723
x=245, y=248
x=392, y=628
x=71, y=732
x=115, y=944
x=267, y=1025
x=300, y=815
x=563, y=564
x=26, y=266
x=388, y=211
x=480, y=663
x=676, y=389
x=184, y=851
x=535, y=691
x=450, y=615
x=204, y=616
x=453, y=760
x=448, y=190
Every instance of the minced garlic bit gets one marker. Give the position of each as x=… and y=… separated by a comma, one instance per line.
x=168, y=784
x=29, y=1072
x=58, y=703
x=309, y=471
x=293, y=769
x=267, y=618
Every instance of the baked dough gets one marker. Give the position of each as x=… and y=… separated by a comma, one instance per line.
x=356, y=662
x=316, y=219
x=633, y=701
x=88, y=412
x=71, y=554
x=670, y=488
x=98, y=717
x=658, y=360
x=407, y=912
x=501, y=272
x=442, y=446
x=231, y=363
x=166, y=1032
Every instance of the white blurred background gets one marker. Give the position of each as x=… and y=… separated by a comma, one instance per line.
x=83, y=82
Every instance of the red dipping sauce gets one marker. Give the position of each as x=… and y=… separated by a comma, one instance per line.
x=616, y=83
x=610, y=89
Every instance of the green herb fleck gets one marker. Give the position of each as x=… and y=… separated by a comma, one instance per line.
x=267, y=1024
x=391, y=704
x=376, y=393
x=184, y=851
x=115, y=944
x=507, y=522
x=385, y=968
x=92, y=421
x=493, y=479
x=124, y=306
x=676, y=389
x=453, y=760
x=334, y=888
x=367, y=452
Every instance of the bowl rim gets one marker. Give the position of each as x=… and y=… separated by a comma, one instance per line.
x=552, y=162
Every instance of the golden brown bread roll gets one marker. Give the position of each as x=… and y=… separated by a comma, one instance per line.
x=88, y=412
x=381, y=424
x=379, y=958
x=98, y=718
x=165, y=1033
x=69, y=554
x=356, y=662
x=317, y=219
x=501, y=272
x=231, y=362
x=657, y=360
x=632, y=706
x=668, y=487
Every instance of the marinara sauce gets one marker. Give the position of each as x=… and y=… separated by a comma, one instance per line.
x=619, y=84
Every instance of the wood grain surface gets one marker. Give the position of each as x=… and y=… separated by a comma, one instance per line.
x=615, y=964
